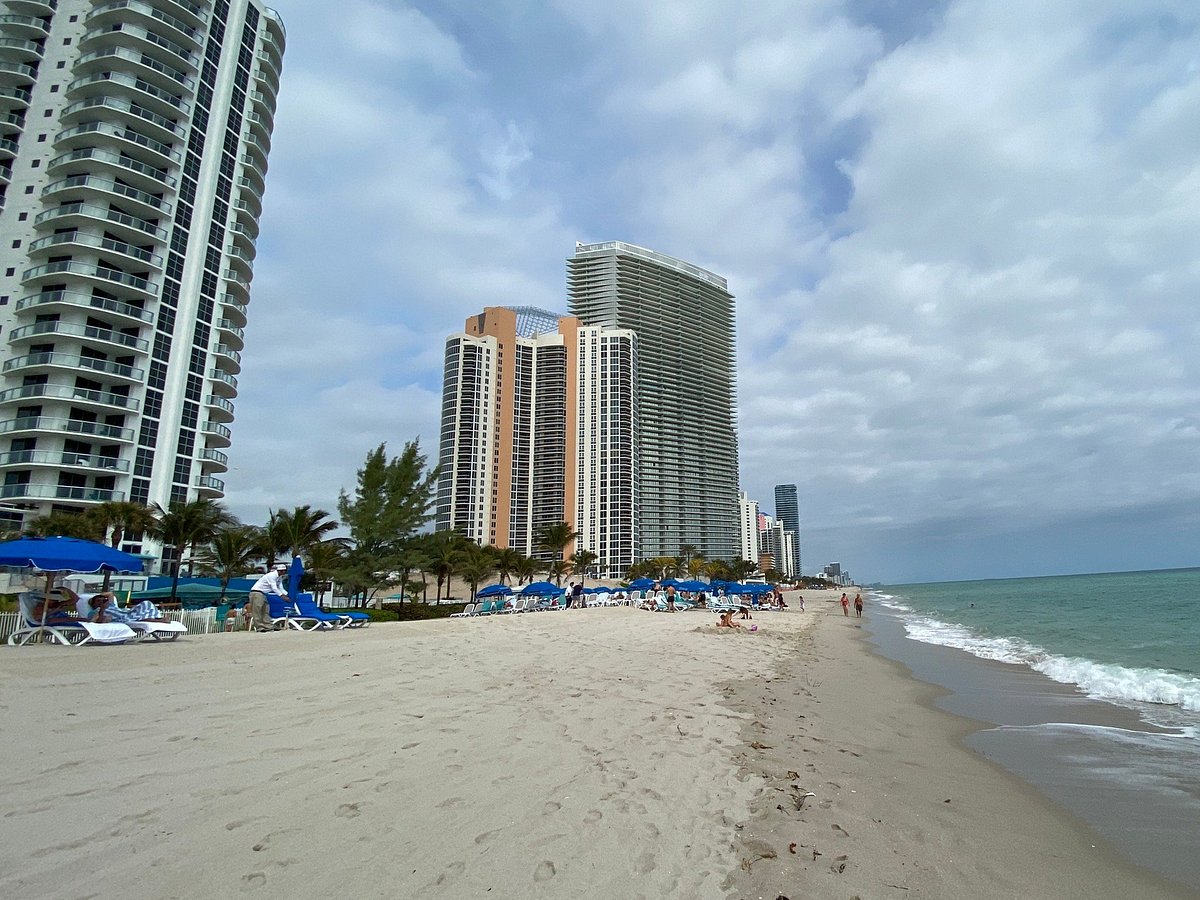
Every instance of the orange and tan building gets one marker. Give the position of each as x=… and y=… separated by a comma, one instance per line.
x=539, y=425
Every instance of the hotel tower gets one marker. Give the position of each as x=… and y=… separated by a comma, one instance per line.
x=539, y=424
x=683, y=318
x=134, y=137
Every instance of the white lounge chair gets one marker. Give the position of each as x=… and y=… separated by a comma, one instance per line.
x=59, y=628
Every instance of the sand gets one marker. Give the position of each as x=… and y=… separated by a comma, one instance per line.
x=606, y=753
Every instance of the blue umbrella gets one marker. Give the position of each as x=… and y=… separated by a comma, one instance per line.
x=540, y=587
x=692, y=586
x=295, y=573
x=494, y=590
x=66, y=554
x=641, y=584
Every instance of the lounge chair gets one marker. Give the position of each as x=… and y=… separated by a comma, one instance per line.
x=159, y=631
x=283, y=615
x=468, y=610
x=61, y=628
x=307, y=607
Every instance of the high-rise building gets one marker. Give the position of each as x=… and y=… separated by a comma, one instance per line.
x=133, y=151
x=683, y=318
x=539, y=420
x=747, y=528
x=787, y=508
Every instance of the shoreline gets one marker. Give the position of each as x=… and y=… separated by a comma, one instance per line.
x=901, y=805
x=606, y=752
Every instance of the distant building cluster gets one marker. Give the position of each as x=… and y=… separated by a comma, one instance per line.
x=618, y=419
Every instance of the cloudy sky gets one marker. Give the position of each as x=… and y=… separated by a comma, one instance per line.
x=962, y=236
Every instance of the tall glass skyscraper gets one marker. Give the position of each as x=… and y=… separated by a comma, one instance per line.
x=684, y=321
x=787, y=510
x=133, y=152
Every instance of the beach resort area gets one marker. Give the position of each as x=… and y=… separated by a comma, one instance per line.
x=608, y=752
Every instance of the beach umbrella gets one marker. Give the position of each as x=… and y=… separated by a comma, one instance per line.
x=540, y=588
x=693, y=586
x=63, y=555
x=494, y=590
x=641, y=584
x=295, y=573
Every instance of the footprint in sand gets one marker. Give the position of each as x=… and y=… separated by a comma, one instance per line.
x=550, y=807
x=255, y=880
x=545, y=871
x=348, y=811
x=593, y=816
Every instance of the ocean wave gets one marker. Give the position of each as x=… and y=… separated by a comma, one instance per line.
x=890, y=601
x=1101, y=681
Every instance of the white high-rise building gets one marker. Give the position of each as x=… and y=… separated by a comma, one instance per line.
x=683, y=318
x=747, y=528
x=133, y=151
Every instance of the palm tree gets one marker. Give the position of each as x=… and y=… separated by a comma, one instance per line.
x=526, y=568
x=185, y=525
x=508, y=561
x=323, y=558
x=66, y=524
x=119, y=518
x=581, y=561
x=475, y=564
x=443, y=554
x=231, y=553
x=555, y=539
x=299, y=529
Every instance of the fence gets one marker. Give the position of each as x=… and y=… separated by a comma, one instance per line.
x=197, y=621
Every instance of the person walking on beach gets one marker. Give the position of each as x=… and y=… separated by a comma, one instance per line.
x=845, y=606
x=260, y=610
x=858, y=605
x=670, y=598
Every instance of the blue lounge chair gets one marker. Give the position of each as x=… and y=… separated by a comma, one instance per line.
x=306, y=606
x=284, y=615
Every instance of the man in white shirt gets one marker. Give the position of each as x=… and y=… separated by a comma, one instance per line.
x=270, y=583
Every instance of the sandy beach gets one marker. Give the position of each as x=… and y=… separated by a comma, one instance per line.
x=606, y=753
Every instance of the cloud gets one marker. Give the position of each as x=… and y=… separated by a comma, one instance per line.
x=962, y=242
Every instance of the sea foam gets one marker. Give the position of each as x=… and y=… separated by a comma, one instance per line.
x=1102, y=681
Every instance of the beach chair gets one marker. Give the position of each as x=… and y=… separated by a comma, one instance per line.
x=159, y=631
x=283, y=615
x=468, y=610
x=61, y=628
x=307, y=607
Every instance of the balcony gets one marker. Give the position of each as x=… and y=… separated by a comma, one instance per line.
x=58, y=492
x=229, y=358
x=64, y=460
x=80, y=239
x=84, y=160
x=250, y=197
x=97, y=84
x=223, y=382
x=71, y=426
x=215, y=431
x=82, y=187
x=29, y=51
x=84, y=137
x=73, y=394
x=128, y=111
x=38, y=362
x=20, y=95
x=88, y=270
x=214, y=459
x=182, y=30
x=87, y=332
x=78, y=213
x=219, y=408
x=35, y=7
x=206, y=483
x=156, y=72
x=8, y=146
x=15, y=73
x=29, y=25
x=73, y=299
x=131, y=34
x=229, y=329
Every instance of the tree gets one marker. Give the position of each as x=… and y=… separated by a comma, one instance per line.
x=555, y=539
x=508, y=561
x=185, y=525
x=64, y=524
x=581, y=561
x=119, y=518
x=324, y=558
x=443, y=555
x=475, y=564
x=526, y=568
x=230, y=554
x=299, y=530
x=392, y=499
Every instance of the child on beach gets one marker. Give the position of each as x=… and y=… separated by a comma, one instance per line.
x=726, y=620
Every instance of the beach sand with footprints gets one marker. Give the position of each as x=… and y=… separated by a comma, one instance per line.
x=593, y=753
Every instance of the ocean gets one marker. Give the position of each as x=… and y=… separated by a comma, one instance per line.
x=1086, y=686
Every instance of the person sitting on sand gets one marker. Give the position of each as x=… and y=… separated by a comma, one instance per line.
x=745, y=611
x=726, y=620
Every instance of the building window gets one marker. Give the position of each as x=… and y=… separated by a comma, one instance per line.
x=61, y=64
x=22, y=217
x=41, y=138
x=9, y=272
x=16, y=244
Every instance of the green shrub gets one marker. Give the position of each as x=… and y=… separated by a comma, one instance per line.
x=377, y=615
x=417, y=612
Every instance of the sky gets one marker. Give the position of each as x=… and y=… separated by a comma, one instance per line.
x=962, y=236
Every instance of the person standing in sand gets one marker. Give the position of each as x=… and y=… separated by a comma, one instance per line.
x=858, y=604
x=845, y=606
x=260, y=610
